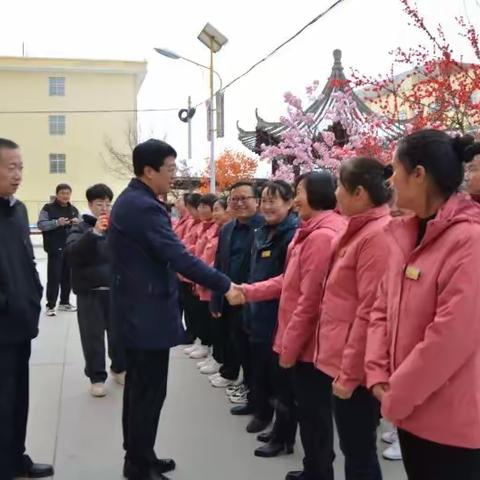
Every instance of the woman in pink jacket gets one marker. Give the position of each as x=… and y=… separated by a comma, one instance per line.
x=190, y=236
x=359, y=261
x=207, y=253
x=300, y=290
x=200, y=236
x=423, y=355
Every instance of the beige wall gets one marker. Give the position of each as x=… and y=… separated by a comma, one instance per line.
x=84, y=140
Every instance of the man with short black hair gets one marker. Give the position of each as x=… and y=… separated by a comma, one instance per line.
x=55, y=221
x=20, y=295
x=235, y=245
x=147, y=255
x=90, y=259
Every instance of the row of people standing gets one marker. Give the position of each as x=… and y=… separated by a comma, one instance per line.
x=380, y=312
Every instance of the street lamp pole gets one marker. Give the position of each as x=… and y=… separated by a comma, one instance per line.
x=213, y=169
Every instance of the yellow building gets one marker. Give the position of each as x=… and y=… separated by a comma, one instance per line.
x=64, y=113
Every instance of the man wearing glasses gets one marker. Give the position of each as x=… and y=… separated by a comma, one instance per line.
x=233, y=258
x=147, y=255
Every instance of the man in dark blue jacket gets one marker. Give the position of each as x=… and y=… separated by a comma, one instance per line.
x=20, y=294
x=147, y=255
x=233, y=258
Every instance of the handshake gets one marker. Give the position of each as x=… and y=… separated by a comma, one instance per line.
x=236, y=295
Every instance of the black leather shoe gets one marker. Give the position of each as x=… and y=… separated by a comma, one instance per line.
x=161, y=465
x=265, y=437
x=257, y=425
x=242, y=410
x=295, y=475
x=273, y=449
x=164, y=465
x=36, y=470
x=133, y=473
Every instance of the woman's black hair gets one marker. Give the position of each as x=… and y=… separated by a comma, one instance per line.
x=193, y=200
x=370, y=174
x=280, y=188
x=320, y=187
x=209, y=200
x=440, y=155
x=223, y=201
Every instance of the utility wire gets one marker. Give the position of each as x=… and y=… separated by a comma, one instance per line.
x=228, y=85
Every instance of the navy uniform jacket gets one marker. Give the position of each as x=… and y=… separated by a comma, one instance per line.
x=268, y=261
x=233, y=257
x=146, y=256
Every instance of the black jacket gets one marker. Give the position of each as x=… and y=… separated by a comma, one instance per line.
x=146, y=256
x=20, y=288
x=89, y=257
x=268, y=261
x=223, y=257
x=54, y=235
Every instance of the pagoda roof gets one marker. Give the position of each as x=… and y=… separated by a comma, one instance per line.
x=319, y=108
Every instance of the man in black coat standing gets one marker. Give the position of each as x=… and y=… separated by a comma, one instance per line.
x=20, y=295
x=55, y=221
x=147, y=255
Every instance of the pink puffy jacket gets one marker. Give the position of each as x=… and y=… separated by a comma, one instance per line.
x=192, y=232
x=424, y=334
x=208, y=244
x=359, y=261
x=300, y=287
x=181, y=225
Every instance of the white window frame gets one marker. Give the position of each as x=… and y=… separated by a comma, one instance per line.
x=56, y=86
x=56, y=124
x=57, y=163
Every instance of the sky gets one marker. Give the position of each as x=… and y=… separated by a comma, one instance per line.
x=365, y=30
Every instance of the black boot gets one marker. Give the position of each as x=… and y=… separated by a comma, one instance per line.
x=257, y=425
x=295, y=475
x=35, y=470
x=265, y=437
x=273, y=449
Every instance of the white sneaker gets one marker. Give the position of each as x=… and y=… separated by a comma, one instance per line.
x=235, y=389
x=98, y=390
x=204, y=363
x=67, y=307
x=51, y=312
x=390, y=437
x=200, y=352
x=214, y=376
x=118, y=377
x=393, y=452
x=239, y=399
x=212, y=367
x=190, y=349
x=221, y=382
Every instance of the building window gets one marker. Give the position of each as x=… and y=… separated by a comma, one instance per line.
x=57, y=163
x=56, y=124
x=56, y=86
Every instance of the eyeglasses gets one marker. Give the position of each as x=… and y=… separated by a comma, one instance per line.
x=238, y=200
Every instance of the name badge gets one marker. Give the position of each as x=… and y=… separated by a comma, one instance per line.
x=412, y=272
x=266, y=254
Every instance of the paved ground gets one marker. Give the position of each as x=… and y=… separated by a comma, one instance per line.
x=82, y=435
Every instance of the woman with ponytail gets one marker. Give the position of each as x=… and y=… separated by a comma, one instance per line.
x=359, y=259
x=423, y=351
